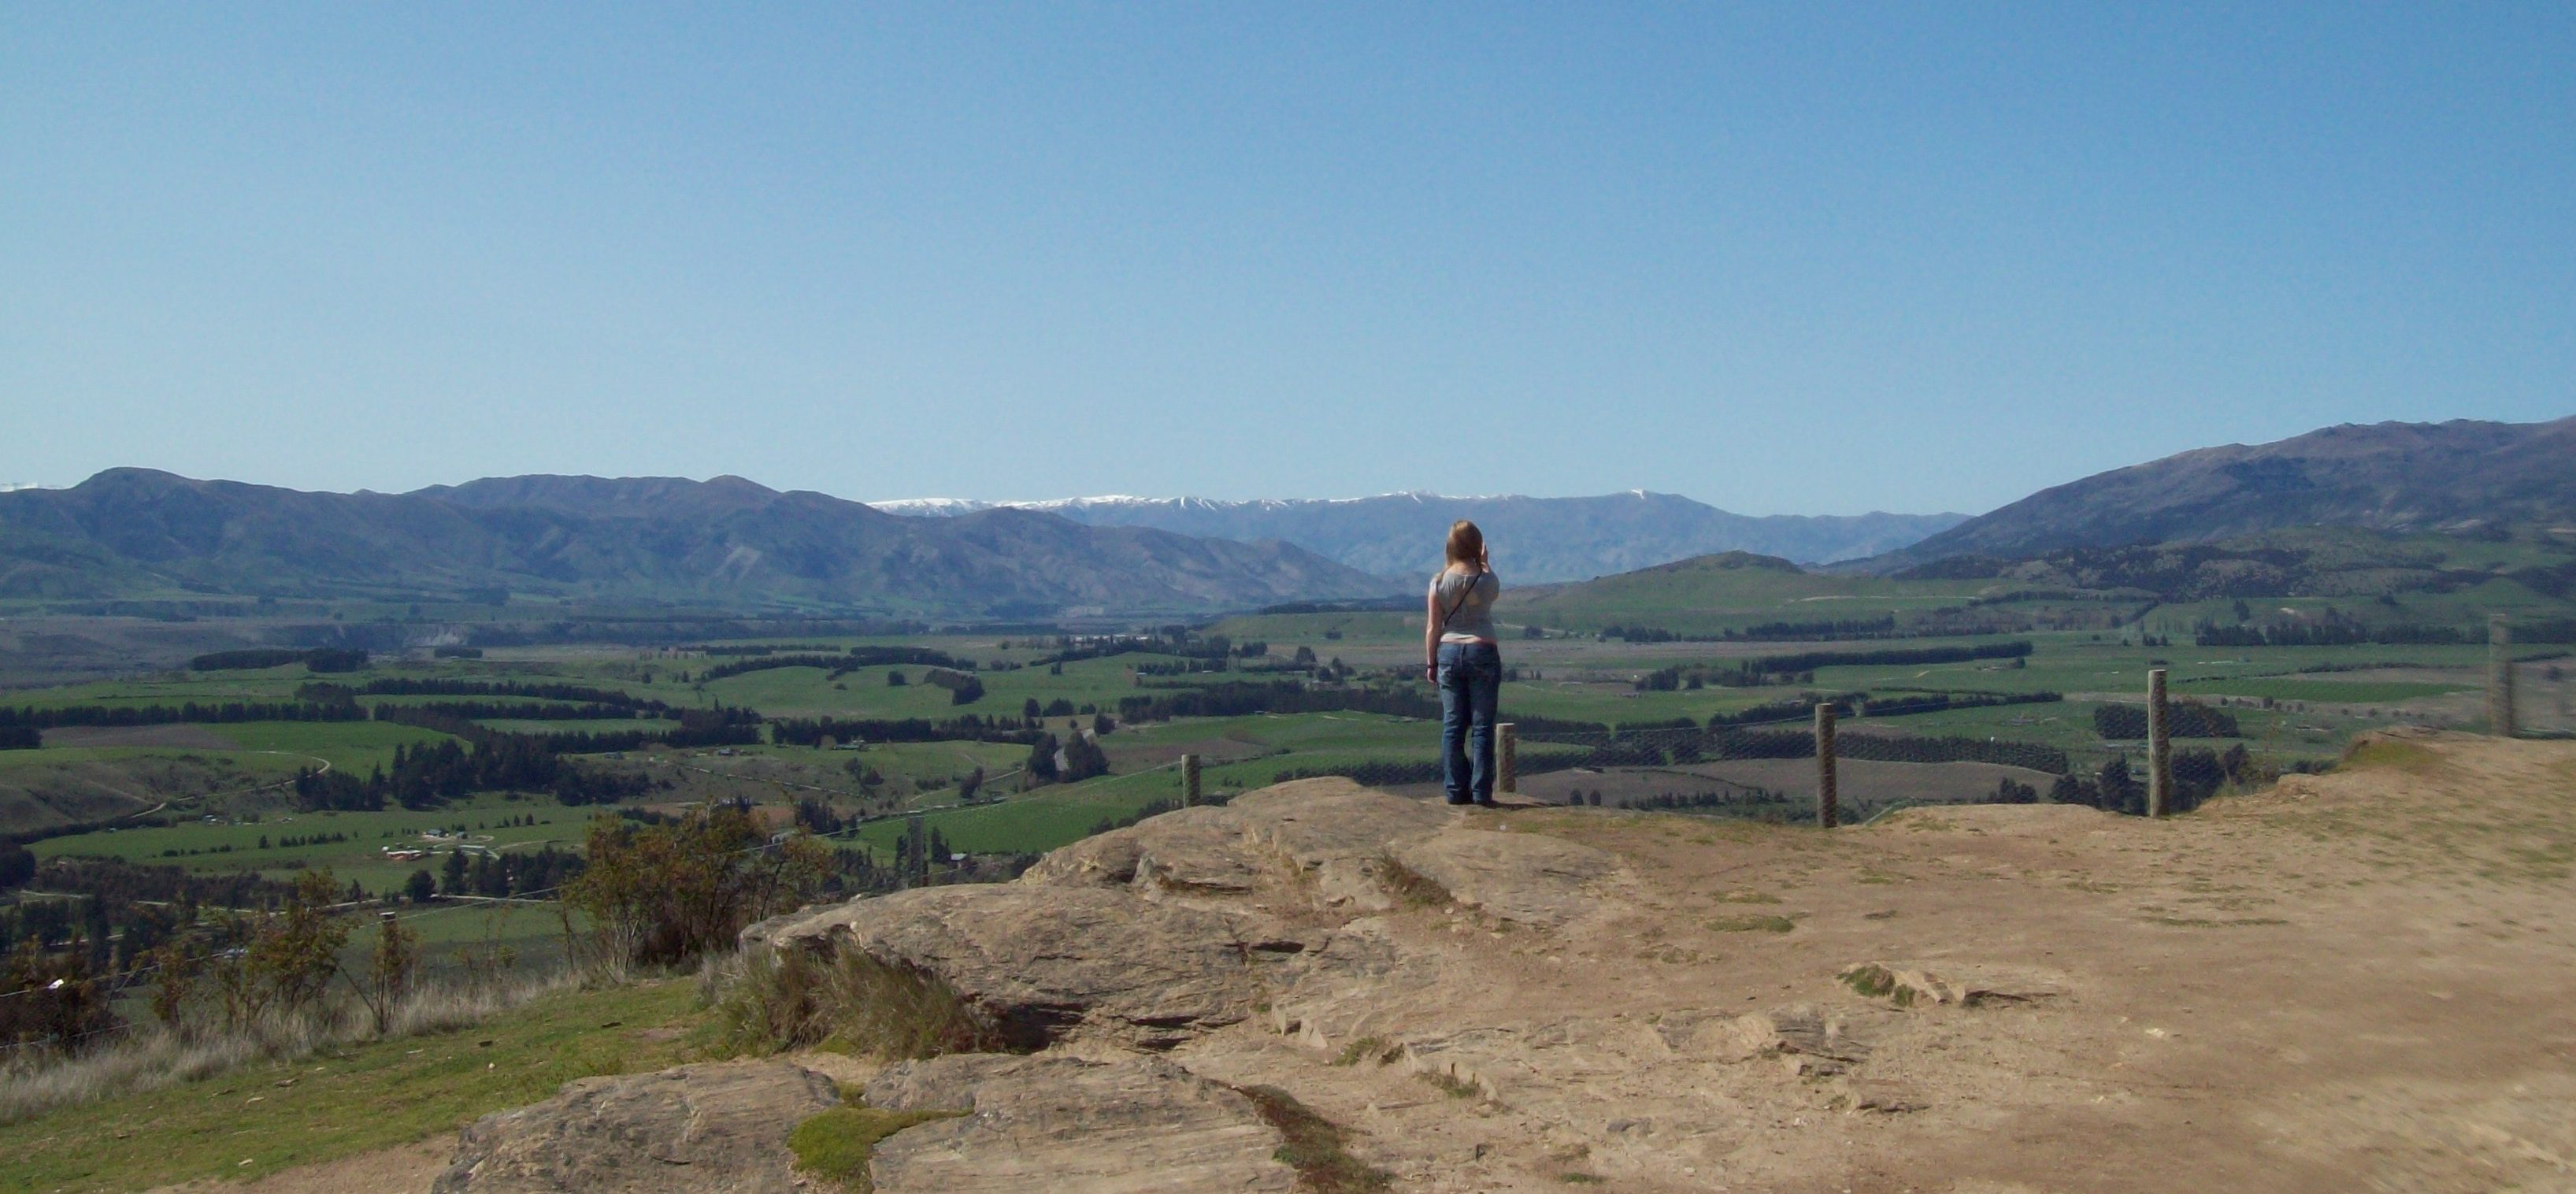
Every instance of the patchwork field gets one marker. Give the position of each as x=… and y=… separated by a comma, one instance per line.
x=125, y=772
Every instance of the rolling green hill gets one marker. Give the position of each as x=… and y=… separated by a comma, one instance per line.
x=2359, y=576
x=2408, y=478
x=1731, y=591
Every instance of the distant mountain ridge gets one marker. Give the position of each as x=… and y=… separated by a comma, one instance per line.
x=1536, y=540
x=727, y=541
x=2402, y=477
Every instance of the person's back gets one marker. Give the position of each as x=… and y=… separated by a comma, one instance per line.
x=1463, y=656
x=1468, y=597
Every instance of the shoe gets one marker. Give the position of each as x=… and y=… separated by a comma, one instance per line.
x=1487, y=804
x=1460, y=803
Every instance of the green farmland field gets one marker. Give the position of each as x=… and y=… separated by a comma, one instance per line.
x=2325, y=691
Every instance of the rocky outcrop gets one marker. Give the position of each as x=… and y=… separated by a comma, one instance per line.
x=1912, y=985
x=1521, y=877
x=1126, y=1126
x=1150, y=935
x=1389, y=995
x=1037, y=963
x=694, y=1128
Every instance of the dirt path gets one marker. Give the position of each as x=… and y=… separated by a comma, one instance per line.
x=405, y=1170
x=2359, y=982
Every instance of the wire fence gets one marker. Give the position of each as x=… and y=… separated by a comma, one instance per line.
x=2544, y=698
x=1763, y=765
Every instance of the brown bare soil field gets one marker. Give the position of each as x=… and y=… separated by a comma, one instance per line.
x=48, y=793
x=186, y=737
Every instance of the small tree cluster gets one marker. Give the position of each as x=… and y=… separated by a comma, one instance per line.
x=666, y=894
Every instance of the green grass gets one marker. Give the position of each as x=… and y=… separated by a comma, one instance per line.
x=221, y=848
x=2380, y=692
x=279, y=1115
x=281, y=746
x=1582, y=681
x=807, y=692
x=835, y=1146
x=521, y=725
x=1038, y=821
x=936, y=764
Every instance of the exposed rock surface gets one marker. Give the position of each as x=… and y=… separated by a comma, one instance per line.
x=1521, y=877
x=708, y=1128
x=1914, y=985
x=1155, y=933
x=1039, y=963
x=1134, y=1124
x=2356, y=983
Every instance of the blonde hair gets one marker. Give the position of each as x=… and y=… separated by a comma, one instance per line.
x=1466, y=543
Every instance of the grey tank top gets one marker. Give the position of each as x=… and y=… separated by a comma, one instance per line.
x=1468, y=599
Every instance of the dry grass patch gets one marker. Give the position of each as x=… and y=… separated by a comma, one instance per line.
x=342, y=1101
x=2389, y=753
x=1314, y=1148
x=1751, y=924
x=1450, y=1084
x=1369, y=1048
x=767, y=1001
x=1410, y=887
x=152, y=1056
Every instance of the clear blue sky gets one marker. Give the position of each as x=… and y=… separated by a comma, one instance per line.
x=1779, y=257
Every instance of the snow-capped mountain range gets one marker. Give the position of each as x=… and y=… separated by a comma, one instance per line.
x=1534, y=539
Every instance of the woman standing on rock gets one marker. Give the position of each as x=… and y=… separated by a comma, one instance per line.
x=1461, y=654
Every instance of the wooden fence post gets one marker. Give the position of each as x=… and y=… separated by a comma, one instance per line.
x=1189, y=780
x=1828, y=799
x=2159, y=746
x=2499, y=677
x=1507, y=757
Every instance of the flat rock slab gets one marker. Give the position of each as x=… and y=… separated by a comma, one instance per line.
x=1151, y=935
x=1199, y=851
x=693, y=1128
x=1135, y=1125
x=1525, y=877
x=1313, y=822
x=1305, y=826
x=1042, y=963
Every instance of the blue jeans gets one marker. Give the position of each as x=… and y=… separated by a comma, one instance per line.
x=1471, y=683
